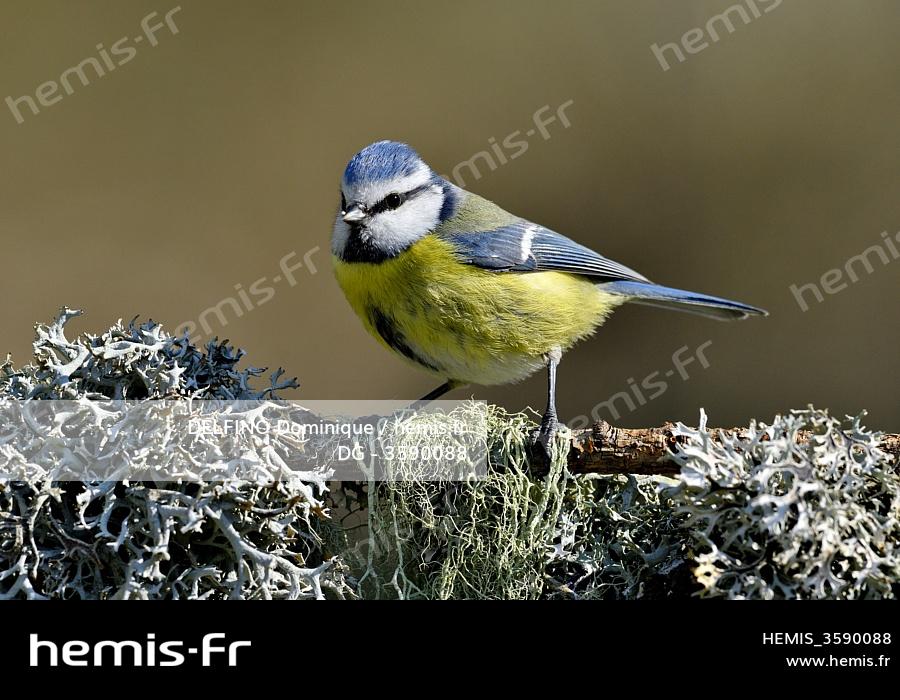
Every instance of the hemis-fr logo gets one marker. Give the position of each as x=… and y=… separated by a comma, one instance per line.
x=213, y=650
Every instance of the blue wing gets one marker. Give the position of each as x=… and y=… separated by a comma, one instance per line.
x=526, y=247
x=522, y=246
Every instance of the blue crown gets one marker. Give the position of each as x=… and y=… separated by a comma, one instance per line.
x=382, y=160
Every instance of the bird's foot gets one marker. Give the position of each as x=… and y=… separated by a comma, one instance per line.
x=547, y=433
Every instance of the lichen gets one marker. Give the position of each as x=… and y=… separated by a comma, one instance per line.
x=180, y=538
x=131, y=362
x=806, y=507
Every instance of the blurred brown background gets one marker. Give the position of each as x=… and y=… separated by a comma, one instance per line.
x=762, y=161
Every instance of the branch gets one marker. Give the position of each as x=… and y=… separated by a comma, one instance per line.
x=605, y=449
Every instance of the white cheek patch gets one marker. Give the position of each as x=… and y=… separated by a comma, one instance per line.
x=394, y=231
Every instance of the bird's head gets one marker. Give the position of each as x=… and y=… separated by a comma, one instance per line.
x=390, y=198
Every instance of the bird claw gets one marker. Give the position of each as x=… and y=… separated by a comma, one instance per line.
x=547, y=434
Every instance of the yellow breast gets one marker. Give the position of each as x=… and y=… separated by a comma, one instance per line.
x=465, y=323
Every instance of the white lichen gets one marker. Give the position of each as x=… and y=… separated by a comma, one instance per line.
x=185, y=537
x=807, y=507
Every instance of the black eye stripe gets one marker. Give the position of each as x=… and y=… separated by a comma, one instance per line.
x=390, y=201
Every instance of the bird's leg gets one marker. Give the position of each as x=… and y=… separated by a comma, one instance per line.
x=439, y=392
x=550, y=423
x=421, y=403
x=436, y=394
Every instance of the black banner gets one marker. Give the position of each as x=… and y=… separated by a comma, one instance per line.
x=216, y=641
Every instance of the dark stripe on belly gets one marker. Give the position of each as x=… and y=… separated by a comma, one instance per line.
x=387, y=329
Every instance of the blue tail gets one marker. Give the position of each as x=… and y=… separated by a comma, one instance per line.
x=651, y=294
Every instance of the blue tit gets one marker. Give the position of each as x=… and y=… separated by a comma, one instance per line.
x=469, y=292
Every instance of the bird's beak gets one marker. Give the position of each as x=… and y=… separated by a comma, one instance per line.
x=354, y=214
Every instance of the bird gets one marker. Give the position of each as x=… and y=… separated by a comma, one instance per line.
x=469, y=292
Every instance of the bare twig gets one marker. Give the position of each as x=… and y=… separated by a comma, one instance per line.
x=605, y=449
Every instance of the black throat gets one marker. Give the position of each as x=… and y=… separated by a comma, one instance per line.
x=359, y=249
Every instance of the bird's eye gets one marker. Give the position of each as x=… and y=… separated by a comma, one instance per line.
x=392, y=201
